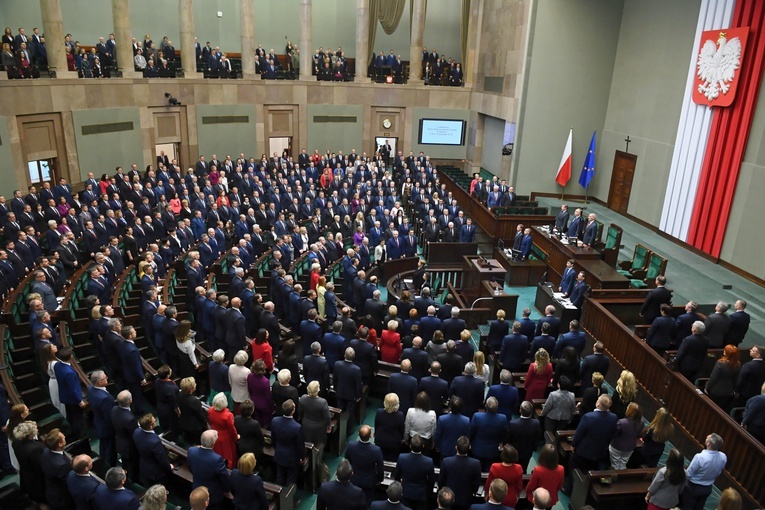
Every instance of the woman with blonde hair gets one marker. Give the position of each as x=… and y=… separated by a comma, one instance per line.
x=656, y=436
x=539, y=376
x=155, y=498
x=389, y=428
x=184, y=340
x=730, y=500
x=390, y=344
x=246, y=486
x=193, y=419
x=624, y=394
x=28, y=450
x=481, y=368
x=321, y=288
x=222, y=421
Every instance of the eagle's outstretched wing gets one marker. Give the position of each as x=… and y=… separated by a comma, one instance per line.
x=730, y=59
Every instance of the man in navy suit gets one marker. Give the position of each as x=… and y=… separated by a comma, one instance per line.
x=366, y=356
x=235, y=329
x=515, y=348
x=543, y=341
x=56, y=467
x=289, y=445
x=132, y=366
x=347, y=383
x=453, y=326
x=450, y=427
x=552, y=320
x=754, y=416
x=114, y=495
x=70, y=391
x=101, y=404
x=561, y=221
x=739, y=324
x=525, y=433
x=334, y=345
x=528, y=326
x=576, y=227
x=341, y=494
x=568, y=279
x=310, y=330
x=124, y=423
x=367, y=461
x=590, y=232
x=209, y=468
x=410, y=244
x=315, y=368
x=506, y=394
x=417, y=475
x=419, y=360
x=656, y=297
x=661, y=334
x=592, y=437
x=574, y=338
x=436, y=388
x=153, y=462
x=393, y=502
x=693, y=351
x=461, y=473
x=469, y=389
x=404, y=385
x=82, y=486
x=595, y=362
x=467, y=233
x=526, y=244
x=577, y=294
x=497, y=493
x=395, y=247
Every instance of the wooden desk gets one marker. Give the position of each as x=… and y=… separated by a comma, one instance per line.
x=599, y=275
x=520, y=273
x=476, y=271
x=545, y=297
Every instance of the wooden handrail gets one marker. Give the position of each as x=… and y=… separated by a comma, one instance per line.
x=10, y=388
x=14, y=296
x=63, y=334
x=695, y=414
x=76, y=276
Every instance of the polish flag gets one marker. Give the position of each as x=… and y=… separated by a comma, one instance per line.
x=564, y=169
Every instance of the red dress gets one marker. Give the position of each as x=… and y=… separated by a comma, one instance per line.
x=390, y=346
x=513, y=477
x=536, y=384
x=550, y=479
x=225, y=446
x=265, y=352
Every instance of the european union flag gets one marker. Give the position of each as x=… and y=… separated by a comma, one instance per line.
x=588, y=170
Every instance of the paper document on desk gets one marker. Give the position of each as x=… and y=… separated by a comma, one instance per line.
x=558, y=296
x=567, y=304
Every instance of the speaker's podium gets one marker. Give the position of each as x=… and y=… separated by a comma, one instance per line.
x=478, y=269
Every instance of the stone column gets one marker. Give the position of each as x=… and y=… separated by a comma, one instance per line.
x=53, y=28
x=247, y=15
x=362, y=41
x=415, y=50
x=188, y=51
x=306, y=39
x=470, y=66
x=121, y=15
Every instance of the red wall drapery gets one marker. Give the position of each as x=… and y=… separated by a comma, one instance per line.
x=728, y=137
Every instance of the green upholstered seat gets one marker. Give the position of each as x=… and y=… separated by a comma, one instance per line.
x=639, y=259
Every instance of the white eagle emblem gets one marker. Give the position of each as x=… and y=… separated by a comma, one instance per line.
x=717, y=65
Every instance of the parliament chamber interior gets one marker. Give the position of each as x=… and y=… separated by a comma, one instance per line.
x=382, y=254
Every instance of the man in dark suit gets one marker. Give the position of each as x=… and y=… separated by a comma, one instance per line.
x=114, y=495
x=739, y=323
x=451, y=362
x=577, y=294
x=404, y=385
x=56, y=467
x=366, y=356
x=461, y=473
x=209, y=468
x=568, y=279
x=467, y=233
x=418, y=358
x=395, y=247
x=469, y=389
x=661, y=334
x=595, y=362
x=124, y=423
x=526, y=243
x=754, y=416
x=81, y=484
x=561, y=221
x=592, y=437
x=417, y=475
x=496, y=494
x=552, y=320
x=154, y=465
x=515, y=348
x=525, y=433
x=693, y=351
x=101, y=404
x=684, y=321
x=436, y=388
x=367, y=462
x=289, y=445
x=341, y=494
x=576, y=227
x=347, y=384
x=656, y=297
x=752, y=376
x=506, y=394
x=132, y=366
x=315, y=368
x=70, y=391
x=393, y=493
x=453, y=326
x=429, y=323
x=590, y=236
x=717, y=326
x=450, y=427
x=574, y=338
x=235, y=329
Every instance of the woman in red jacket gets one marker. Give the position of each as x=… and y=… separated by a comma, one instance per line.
x=538, y=377
x=390, y=344
x=547, y=474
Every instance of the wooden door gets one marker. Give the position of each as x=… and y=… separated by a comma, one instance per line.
x=621, y=181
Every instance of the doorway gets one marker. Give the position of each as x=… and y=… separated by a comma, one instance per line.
x=387, y=146
x=621, y=181
x=280, y=144
x=41, y=171
x=166, y=153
